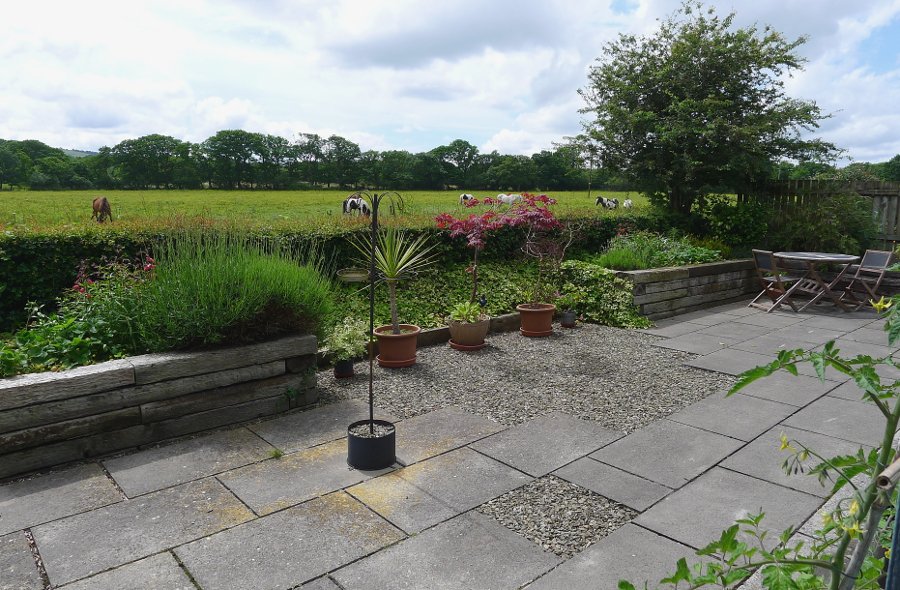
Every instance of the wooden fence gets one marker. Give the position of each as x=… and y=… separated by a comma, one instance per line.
x=789, y=196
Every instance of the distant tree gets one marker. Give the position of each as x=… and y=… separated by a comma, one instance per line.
x=397, y=170
x=148, y=161
x=230, y=155
x=311, y=153
x=515, y=173
x=857, y=171
x=890, y=170
x=428, y=171
x=459, y=157
x=697, y=106
x=10, y=166
x=341, y=159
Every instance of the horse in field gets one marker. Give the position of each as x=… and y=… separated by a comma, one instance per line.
x=102, y=210
x=355, y=203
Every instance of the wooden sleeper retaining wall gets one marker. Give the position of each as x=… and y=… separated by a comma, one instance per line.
x=51, y=418
x=664, y=292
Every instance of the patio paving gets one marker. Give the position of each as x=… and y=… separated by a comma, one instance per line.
x=225, y=510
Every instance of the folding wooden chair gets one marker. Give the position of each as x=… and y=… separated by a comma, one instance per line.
x=774, y=281
x=863, y=287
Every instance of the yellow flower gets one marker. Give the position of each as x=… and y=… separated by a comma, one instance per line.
x=881, y=305
x=854, y=530
x=854, y=508
x=785, y=443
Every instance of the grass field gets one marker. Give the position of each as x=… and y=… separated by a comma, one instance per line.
x=37, y=210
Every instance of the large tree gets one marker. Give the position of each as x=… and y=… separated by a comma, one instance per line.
x=699, y=106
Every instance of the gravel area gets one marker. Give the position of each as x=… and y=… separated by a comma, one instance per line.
x=557, y=515
x=610, y=375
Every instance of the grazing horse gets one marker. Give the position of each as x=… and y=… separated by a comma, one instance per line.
x=102, y=210
x=608, y=203
x=356, y=203
x=508, y=199
x=628, y=204
x=465, y=198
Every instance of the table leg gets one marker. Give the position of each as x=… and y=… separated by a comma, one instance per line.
x=786, y=295
x=826, y=287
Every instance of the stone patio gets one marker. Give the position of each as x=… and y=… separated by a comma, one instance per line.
x=223, y=511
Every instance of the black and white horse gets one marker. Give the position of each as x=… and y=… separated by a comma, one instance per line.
x=356, y=203
x=465, y=198
x=608, y=203
x=628, y=204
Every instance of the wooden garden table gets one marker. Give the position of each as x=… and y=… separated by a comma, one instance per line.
x=812, y=282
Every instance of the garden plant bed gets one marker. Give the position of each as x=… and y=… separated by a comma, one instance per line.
x=52, y=418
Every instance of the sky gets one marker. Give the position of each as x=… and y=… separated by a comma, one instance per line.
x=394, y=74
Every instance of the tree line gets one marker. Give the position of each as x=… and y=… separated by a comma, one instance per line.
x=237, y=159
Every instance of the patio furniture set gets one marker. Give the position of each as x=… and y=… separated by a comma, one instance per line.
x=785, y=276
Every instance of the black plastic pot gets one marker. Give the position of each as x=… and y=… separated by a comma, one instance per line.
x=567, y=319
x=343, y=369
x=370, y=453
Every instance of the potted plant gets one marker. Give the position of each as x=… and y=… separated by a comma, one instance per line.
x=467, y=321
x=397, y=256
x=468, y=326
x=346, y=341
x=546, y=240
x=569, y=302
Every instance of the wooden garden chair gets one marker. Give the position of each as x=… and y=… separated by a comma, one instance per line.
x=863, y=286
x=774, y=281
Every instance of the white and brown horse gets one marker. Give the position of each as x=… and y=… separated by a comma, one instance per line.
x=102, y=210
x=356, y=203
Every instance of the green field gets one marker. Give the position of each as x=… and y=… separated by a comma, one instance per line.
x=36, y=210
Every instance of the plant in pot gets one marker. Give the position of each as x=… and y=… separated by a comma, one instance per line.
x=570, y=302
x=396, y=256
x=467, y=321
x=546, y=240
x=346, y=341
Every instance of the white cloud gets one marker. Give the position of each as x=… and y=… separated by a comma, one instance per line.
x=388, y=75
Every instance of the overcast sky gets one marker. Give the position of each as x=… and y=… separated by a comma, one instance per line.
x=392, y=74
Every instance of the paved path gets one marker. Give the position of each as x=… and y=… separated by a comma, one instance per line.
x=220, y=512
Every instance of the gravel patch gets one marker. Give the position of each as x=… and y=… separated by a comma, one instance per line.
x=610, y=375
x=557, y=515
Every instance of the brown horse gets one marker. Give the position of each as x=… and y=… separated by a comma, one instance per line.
x=102, y=210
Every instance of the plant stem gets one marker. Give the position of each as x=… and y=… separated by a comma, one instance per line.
x=474, y=277
x=392, y=289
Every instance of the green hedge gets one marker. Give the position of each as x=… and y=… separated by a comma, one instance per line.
x=39, y=267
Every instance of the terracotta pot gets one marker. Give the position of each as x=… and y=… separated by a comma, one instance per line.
x=468, y=335
x=537, y=320
x=343, y=369
x=397, y=350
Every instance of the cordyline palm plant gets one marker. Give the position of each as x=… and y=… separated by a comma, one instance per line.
x=397, y=255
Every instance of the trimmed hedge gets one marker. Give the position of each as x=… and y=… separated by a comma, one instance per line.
x=39, y=267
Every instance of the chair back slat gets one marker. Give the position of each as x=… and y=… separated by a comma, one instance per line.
x=876, y=259
x=763, y=260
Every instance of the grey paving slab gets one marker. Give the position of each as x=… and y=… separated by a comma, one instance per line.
x=707, y=317
x=849, y=390
x=674, y=328
x=803, y=332
x=857, y=422
x=630, y=553
x=286, y=549
x=774, y=320
x=424, y=494
x=763, y=458
x=278, y=483
x=869, y=335
x=302, y=430
x=440, y=431
x=738, y=309
x=321, y=584
x=782, y=387
x=172, y=464
x=615, y=484
x=772, y=344
x=668, y=452
x=846, y=323
x=539, y=446
x=738, y=416
x=735, y=331
x=699, y=512
x=159, y=572
x=469, y=552
x=17, y=568
x=730, y=361
x=696, y=343
x=135, y=529
x=42, y=498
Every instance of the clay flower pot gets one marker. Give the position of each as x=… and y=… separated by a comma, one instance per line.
x=397, y=350
x=537, y=319
x=468, y=335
